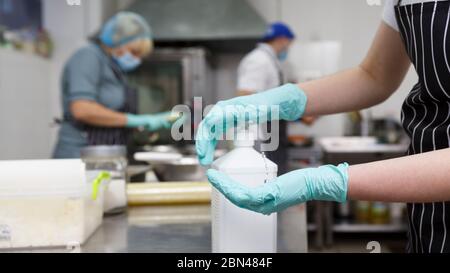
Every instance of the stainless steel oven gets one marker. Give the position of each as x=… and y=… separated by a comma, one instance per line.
x=170, y=77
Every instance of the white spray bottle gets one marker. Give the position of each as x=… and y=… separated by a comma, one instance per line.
x=236, y=230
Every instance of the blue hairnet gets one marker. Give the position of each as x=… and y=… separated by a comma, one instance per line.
x=277, y=30
x=124, y=27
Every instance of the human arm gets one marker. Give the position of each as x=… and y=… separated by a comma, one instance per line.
x=419, y=178
x=242, y=92
x=82, y=78
x=368, y=84
x=372, y=82
x=95, y=114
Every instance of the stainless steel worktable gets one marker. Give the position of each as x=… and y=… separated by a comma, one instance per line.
x=182, y=229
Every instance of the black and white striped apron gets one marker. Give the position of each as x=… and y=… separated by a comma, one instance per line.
x=426, y=111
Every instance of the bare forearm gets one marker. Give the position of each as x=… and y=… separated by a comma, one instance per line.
x=345, y=91
x=241, y=93
x=95, y=114
x=417, y=179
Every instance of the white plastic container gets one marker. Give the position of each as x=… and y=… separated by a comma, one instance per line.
x=47, y=203
x=236, y=230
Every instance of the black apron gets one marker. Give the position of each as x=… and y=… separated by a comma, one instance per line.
x=279, y=156
x=426, y=111
x=97, y=135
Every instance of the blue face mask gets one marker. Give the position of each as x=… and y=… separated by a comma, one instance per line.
x=282, y=56
x=127, y=62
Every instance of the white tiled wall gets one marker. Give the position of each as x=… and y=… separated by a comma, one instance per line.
x=24, y=106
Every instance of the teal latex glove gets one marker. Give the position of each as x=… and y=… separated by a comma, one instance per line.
x=326, y=183
x=290, y=100
x=150, y=122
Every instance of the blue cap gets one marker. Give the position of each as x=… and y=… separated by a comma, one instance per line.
x=278, y=30
x=124, y=27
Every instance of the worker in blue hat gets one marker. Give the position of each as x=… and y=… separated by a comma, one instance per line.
x=261, y=70
x=98, y=103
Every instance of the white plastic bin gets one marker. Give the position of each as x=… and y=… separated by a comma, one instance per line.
x=47, y=203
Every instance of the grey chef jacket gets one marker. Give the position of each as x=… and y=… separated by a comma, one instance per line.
x=87, y=76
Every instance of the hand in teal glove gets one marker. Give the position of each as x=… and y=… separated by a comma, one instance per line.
x=289, y=99
x=326, y=183
x=150, y=122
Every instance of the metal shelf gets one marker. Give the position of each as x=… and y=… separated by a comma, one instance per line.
x=369, y=228
x=349, y=227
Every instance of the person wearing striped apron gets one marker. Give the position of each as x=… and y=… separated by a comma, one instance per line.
x=99, y=105
x=423, y=26
x=412, y=32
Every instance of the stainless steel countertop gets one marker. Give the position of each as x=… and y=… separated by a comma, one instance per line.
x=175, y=229
x=181, y=229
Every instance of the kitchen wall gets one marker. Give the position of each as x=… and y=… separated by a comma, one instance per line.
x=24, y=106
x=69, y=26
x=32, y=83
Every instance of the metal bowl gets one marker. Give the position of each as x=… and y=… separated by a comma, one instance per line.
x=185, y=169
x=162, y=149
